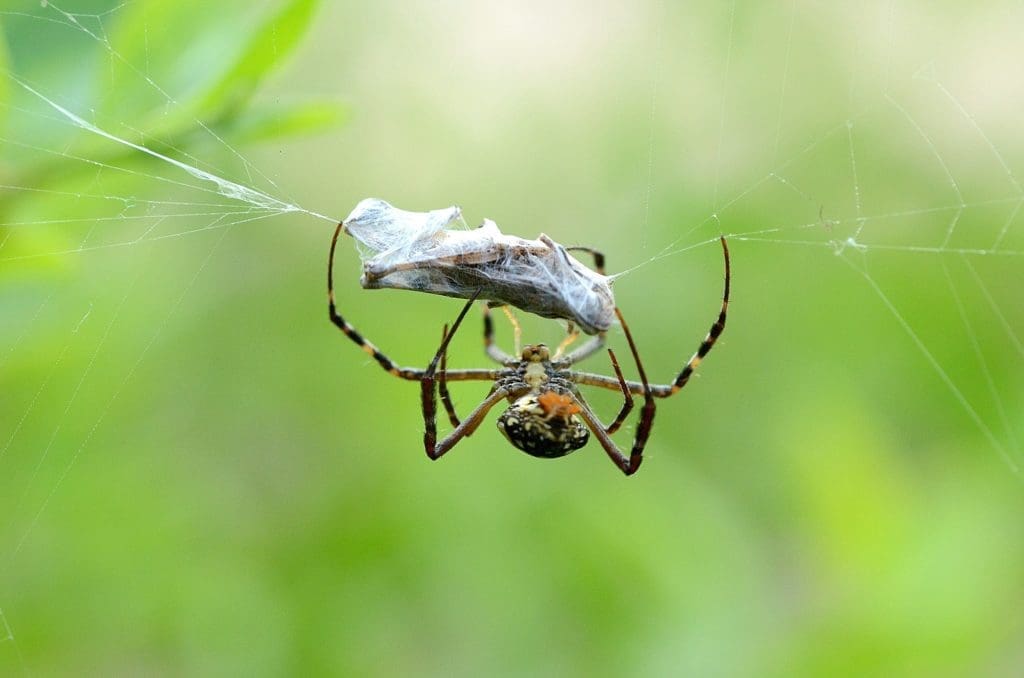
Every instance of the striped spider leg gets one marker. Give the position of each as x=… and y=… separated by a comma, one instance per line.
x=389, y=366
x=666, y=390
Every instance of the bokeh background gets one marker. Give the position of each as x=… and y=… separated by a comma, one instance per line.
x=200, y=476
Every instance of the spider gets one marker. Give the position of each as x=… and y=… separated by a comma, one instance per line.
x=548, y=416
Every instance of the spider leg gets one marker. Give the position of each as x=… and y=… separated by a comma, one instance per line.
x=572, y=333
x=466, y=428
x=492, y=349
x=410, y=373
x=643, y=427
x=595, y=343
x=666, y=390
x=517, y=330
x=630, y=464
x=709, y=341
x=588, y=349
x=442, y=384
x=627, y=465
x=429, y=399
x=627, y=397
x=598, y=256
x=351, y=332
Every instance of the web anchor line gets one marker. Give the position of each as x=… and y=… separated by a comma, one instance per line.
x=223, y=186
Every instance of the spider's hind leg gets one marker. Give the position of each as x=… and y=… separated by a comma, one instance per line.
x=435, y=449
x=627, y=397
x=442, y=384
x=630, y=464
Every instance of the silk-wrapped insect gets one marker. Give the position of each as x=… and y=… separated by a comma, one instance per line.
x=423, y=251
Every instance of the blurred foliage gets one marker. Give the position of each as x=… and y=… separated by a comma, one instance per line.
x=4, y=84
x=200, y=476
x=132, y=72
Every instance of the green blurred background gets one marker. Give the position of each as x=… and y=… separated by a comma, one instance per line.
x=200, y=476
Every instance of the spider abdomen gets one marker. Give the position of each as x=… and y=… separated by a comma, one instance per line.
x=544, y=425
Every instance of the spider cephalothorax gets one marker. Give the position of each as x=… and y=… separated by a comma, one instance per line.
x=548, y=415
x=544, y=424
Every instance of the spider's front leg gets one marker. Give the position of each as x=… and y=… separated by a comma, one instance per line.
x=351, y=332
x=412, y=374
x=428, y=395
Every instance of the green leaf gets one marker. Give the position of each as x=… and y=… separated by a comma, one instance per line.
x=151, y=86
x=166, y=85
x=5, y=82
x=267, y=48
x=299, y=119
x=165, y=51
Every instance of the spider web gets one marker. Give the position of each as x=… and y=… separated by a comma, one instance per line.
x=903, y=187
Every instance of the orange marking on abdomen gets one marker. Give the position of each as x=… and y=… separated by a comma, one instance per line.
x=556, y=404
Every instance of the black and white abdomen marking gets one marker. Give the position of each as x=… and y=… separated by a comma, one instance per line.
x=544, y=425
